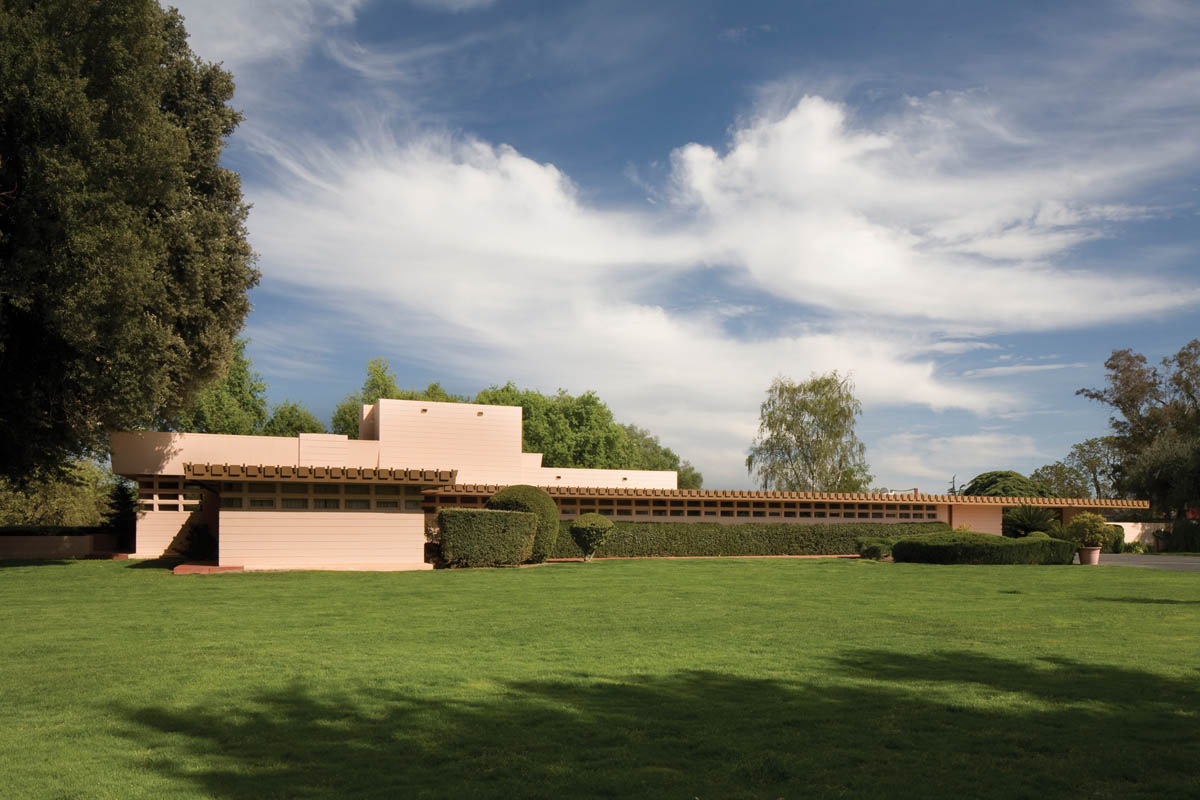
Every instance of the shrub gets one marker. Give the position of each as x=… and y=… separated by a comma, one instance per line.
x=1023, y=520
x=589, y=532
x=1116, y=540
x=483, y=538
x=750, y=539
x=535, y=501
x=1184, y=537
x=1036, y=535
x=874, y=547
x=1137, y=548
x=958, y=547
x=1087, y=530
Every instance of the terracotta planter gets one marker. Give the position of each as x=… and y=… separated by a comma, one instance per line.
x=1089, y=555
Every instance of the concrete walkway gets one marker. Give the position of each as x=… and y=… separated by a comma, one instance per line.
x=1174, y=563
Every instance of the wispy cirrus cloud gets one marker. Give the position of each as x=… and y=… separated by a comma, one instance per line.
x=881, y=244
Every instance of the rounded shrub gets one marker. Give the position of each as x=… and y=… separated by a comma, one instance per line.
x=1036, y=535
x=522, y=497
x=1087, y=530
x=589, y=532
x=474, y=537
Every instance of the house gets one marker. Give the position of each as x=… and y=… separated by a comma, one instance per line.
x=324, y=501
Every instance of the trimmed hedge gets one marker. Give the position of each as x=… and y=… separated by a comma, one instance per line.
x=522, y=497
x=483, y=538
x=964, y=547
x=589, y=532
x=750, y=539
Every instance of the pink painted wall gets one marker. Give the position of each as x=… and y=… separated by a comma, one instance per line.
x=156, y=530
x=981, y=518
x=482, y=442
x=619, y=478
x=326, y=540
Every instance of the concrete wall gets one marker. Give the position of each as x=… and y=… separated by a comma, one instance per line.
x=329, y=540
x=981, y=519
x=1143, y=531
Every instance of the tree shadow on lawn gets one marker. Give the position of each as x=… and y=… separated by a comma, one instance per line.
x=886, y=725
x=35, y=562
x=1156, y=601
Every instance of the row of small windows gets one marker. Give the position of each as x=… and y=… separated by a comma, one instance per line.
x=358, y=489
x=316, y=503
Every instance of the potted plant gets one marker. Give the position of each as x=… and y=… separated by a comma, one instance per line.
x=1090, y=532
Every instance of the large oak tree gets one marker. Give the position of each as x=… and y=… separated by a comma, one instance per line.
x=124, y=264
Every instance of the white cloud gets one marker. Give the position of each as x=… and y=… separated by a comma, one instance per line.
x=1018, y=369
x=901, y=458
x=917, y=235
x=454, y=6
x=241, y=33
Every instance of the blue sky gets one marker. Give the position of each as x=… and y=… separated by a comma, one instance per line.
x=967, y=206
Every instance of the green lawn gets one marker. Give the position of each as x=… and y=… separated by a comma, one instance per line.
x=708, y=679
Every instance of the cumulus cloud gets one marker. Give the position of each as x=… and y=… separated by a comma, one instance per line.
x=885, y=245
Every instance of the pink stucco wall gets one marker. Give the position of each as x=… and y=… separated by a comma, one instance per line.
x=981, y=519
x=329, y=540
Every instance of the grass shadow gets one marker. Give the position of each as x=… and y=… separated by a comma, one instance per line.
x=886, y=725
x=1156, y=601
x=35, y=562
x=163, y=563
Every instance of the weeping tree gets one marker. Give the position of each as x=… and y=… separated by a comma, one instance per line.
x=124, y=263
x=806, y=440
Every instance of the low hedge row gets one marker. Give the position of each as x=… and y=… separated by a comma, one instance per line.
x=483, y=538
x=964, y=547
x=751, y=539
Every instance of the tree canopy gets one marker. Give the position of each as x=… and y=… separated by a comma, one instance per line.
x=1061, y=480
x=124, y=264
x=1005, y=483
x=806, y=440
x=568, y=430
x=237, y=404
x=1156, y=425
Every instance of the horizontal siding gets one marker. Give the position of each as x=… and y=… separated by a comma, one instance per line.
x=325, y=540
x=156, y=530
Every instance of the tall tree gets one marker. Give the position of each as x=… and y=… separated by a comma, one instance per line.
x=806, y=439
x=1096, y=459
x=124, y=264
x=1062, y=480
x=236, y=403
x=1156, y=425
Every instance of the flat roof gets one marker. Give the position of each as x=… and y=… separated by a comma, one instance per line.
x=274, y=472
x=836, y=497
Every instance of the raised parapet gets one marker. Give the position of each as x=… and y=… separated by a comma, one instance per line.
x=482, y=442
